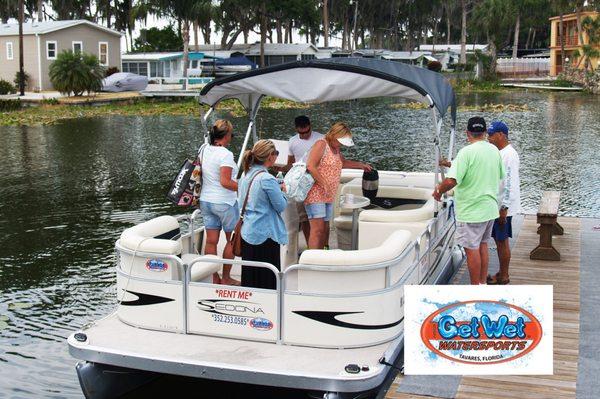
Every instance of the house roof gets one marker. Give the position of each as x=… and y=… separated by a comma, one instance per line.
x=404, y=55
x=453, y=47
x=574, y=15
x=270, y=48
x=40, y=28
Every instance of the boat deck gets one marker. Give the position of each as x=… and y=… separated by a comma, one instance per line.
x=575, y=298
x=112, y=342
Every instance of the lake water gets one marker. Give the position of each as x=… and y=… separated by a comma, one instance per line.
x=68, y=190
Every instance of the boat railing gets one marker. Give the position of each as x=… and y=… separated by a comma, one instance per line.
x=420, y=248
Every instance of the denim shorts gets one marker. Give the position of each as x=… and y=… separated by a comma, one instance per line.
x=319, y=210
x=220, y=216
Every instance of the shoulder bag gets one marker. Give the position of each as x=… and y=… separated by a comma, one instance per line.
x=236, y=237
x=185, y=188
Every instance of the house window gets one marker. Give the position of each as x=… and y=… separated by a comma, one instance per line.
x=9, y=51
x=153, y=69
x=51, y=50
x=77, y=47
x=103, y=53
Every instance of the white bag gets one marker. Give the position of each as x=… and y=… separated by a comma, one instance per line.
x=298, y=182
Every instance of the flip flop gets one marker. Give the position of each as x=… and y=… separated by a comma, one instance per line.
x=495, y=280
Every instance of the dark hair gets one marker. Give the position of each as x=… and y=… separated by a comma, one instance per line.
x=302, y=121
x=219, y=130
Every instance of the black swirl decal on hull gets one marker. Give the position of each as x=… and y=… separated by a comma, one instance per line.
x=145, y=299
x=331, y=319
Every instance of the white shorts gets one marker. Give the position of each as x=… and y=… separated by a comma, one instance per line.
x=472, y=235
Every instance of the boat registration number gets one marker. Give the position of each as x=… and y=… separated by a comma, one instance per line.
x=219, y=318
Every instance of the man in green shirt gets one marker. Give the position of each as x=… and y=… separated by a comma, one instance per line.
x=476, y=173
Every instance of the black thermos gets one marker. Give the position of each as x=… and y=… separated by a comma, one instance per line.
x=370, y=184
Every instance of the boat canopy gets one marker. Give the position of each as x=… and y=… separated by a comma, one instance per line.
x=333, y=79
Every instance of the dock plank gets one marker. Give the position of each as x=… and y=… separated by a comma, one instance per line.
x=564, y=276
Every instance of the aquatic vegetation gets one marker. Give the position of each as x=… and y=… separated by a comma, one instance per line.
x=19, y=305
x=48, y=113
x=481, y=108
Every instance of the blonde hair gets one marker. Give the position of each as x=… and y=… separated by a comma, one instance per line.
x=220, y=129
x=259, y=153
x=338, y=130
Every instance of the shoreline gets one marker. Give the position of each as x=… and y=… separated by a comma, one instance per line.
x=52, y=112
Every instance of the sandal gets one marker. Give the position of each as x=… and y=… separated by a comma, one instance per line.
x=495, y=280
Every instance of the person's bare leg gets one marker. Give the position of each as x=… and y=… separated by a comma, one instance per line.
x=212, y=240
x=326, y=236
x=484, y=255
x=504, y=258
x=317, y=230
x=228, y=254
x=474, y=265
x=305, y=226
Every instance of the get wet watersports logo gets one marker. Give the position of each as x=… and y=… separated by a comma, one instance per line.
x=478, y=330
x=483, y=338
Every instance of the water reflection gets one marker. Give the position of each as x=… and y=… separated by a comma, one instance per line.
x=68, y=191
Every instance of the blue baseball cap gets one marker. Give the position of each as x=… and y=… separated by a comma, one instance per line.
x=498, y=126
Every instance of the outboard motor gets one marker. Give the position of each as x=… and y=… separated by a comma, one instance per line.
x=370, y=184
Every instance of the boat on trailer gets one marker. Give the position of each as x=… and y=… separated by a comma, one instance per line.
x=333, y=327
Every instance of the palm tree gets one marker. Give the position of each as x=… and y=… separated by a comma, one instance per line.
x=21, y=68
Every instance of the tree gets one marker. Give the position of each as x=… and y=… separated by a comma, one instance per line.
x=21, y=62
x=76, y=73
x=155, y=39
x=589, y=51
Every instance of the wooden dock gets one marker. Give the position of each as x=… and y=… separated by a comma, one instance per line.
x=564, y=276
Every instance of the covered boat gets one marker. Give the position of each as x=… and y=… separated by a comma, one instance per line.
x=334, y=324
x=124, y=81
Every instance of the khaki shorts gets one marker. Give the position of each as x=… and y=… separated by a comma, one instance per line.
x=302, y=216
x=472, y=235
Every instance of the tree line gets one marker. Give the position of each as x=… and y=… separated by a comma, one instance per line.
x=391, y=24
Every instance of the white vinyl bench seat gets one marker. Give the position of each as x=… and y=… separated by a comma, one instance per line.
x=350, y=281
x=201, y=271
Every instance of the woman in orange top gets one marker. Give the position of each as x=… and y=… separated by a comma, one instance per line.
x=325, y=163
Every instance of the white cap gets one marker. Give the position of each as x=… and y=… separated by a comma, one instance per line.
x=346, y=141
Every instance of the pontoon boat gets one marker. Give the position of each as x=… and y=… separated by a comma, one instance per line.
x=334, y=324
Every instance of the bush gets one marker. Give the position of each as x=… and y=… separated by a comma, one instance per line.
x=434, y=66
x=76, y=73
x=6, y=87
x=17, y=79
x=10, y=105
x=112, y=71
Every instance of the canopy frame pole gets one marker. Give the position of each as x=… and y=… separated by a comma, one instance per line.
x=250, y=130
x=244, y=145
x=451, y=145
x=203, y=120
x=436, y=142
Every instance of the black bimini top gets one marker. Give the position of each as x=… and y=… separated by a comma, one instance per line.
x=334, y=79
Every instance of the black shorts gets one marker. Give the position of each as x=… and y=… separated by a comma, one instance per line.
x=501, y=232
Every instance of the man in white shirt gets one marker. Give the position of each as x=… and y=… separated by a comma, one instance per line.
x=299, y=146
x=509, y=199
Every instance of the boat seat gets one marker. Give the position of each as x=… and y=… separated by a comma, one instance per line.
x=201, y=271
x=160, y=236
x=411, y=212
x=356, y=281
